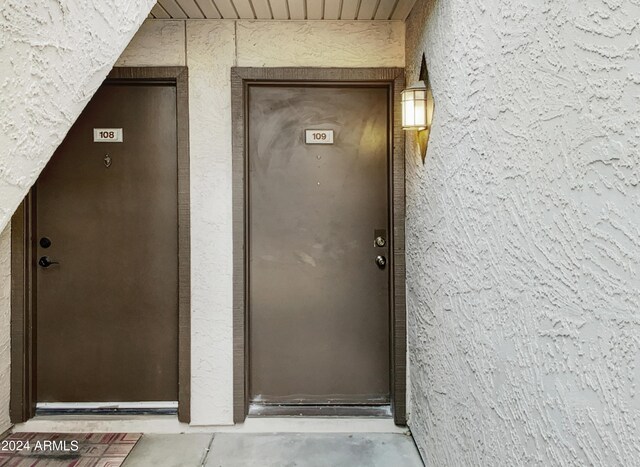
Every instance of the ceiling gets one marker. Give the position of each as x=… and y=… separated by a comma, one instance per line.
x=284, y=9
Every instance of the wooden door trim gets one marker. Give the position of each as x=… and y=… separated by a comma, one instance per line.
x=22, y=398
x=241, y=77
x=23, y=283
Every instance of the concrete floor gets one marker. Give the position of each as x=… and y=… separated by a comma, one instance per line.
x=275, y=450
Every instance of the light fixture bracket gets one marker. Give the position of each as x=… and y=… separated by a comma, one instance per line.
x=422, y=135
x=424, y=73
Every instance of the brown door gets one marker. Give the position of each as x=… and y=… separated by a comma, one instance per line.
x=318, y=302
x=107, y=313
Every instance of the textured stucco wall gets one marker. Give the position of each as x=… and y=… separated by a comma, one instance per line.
x=212, y=48
x=53, y=56
x=5, y=338
x=523, y=234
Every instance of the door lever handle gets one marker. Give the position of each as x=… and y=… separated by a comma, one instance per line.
x=45, y=262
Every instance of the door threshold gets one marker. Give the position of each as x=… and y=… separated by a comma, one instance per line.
x=274, y=410
x=107, y=408
x=170, y=424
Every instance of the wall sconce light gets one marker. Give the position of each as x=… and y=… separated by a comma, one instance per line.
x=414, y=107
x=417, y=109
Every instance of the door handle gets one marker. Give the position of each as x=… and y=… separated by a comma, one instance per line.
x=45, y=262
x=381, y=261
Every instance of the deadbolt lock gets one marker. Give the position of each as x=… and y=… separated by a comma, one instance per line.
x=380, y=238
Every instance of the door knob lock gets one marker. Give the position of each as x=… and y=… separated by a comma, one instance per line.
x=45, y=262
x=381, y=261
x=380, y=241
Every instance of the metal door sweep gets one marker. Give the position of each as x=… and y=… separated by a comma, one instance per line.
x=326, y=410
x=115, y=408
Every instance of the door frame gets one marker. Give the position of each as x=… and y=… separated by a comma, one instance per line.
x=393, y=78
x=23, y=262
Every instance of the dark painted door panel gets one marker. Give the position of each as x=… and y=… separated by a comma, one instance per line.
x=107, y=320
x=319, y=303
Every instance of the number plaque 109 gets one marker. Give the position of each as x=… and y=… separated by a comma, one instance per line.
x=319, y=136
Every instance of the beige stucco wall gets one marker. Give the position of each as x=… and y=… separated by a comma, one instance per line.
x=523, y=234
x=211, y=49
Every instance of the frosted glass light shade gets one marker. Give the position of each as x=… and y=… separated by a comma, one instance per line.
x=414, y=107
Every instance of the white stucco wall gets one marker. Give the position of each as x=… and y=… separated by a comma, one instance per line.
x=523, y=234
x=53, y=56
x=212, y=48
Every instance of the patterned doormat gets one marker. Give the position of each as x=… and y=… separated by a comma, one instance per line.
x=66, y=449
